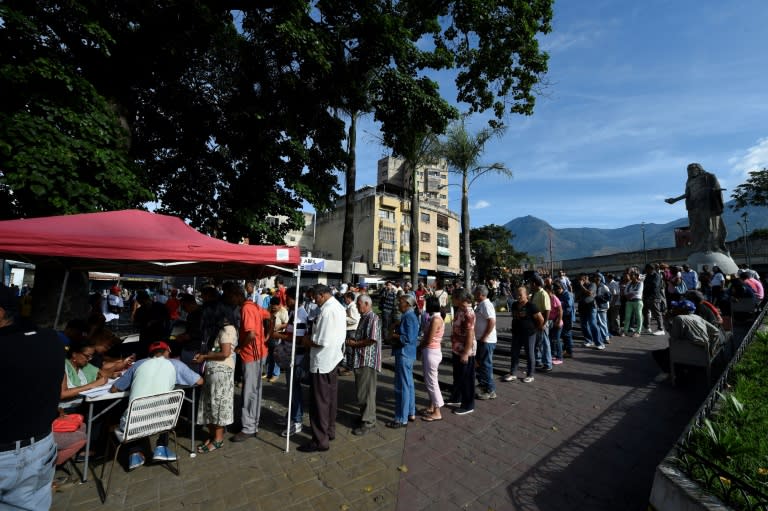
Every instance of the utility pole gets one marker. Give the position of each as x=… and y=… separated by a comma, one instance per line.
x=645, y=252
x=745, y=216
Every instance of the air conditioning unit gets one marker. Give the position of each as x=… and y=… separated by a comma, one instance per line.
x=376, y=266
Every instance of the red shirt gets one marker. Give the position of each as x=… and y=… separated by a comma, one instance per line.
x=420, y=298
x=252, y=320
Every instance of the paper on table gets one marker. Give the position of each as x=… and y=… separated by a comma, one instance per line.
x=98, y=391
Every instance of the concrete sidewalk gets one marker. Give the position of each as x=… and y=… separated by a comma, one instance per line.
x=586, y=436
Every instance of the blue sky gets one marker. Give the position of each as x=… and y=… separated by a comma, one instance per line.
x=636, y=91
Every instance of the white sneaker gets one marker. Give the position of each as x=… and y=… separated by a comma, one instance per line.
x=528, y=379
x=509, y=377
x=295, y=428
x=589, y=344
x=601, y=347
x=659, y=332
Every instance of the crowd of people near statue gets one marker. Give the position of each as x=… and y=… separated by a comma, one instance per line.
x=239, y=335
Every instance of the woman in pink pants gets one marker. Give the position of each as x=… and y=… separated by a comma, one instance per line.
x=431, y=355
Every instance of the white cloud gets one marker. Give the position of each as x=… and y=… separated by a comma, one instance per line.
x=481, y=204
x=756, y=158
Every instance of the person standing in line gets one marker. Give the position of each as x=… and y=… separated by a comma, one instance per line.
x=569, y=317
x=217, y=400
x=325, y=353
x=690, y=277
x=278, y=317
x=27, y=447
x=353, y=318
x=653, y=289
x=387, y=305
x=526, y=321
x=602, y=305
x=588, y=313
x=485, y=333
x=431, y=355
x=556, y=324
x=464, y=349
x=614, y=308
x=405, y=354
x=364, y=357
x=253, y=352
x=634, y=294
x=283, y=354
x=540, y=298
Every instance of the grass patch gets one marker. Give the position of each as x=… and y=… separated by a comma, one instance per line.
x=736, y=437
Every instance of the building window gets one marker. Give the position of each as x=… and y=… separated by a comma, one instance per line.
x=442, y=222
x=425, y=236
x=405, y=238
x=425, y=256
x=442, y=240
x=405, y=259
x=387, y=214
x=386, y=256
x=442, y=260
x=425, y=218
x=387, y=235
x=406, y=220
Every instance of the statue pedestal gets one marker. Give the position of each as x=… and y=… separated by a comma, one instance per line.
x=711, y=259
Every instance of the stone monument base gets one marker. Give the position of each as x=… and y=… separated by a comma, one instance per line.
x=711, y=259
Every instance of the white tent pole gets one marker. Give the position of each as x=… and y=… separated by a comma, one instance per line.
x=293, y=357
x=61, y=300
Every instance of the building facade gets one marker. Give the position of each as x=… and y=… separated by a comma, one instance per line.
x=382, y=224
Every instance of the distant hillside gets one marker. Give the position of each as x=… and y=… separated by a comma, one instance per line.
x=531, y=235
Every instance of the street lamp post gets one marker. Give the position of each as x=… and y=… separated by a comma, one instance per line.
x=645, y=252
x=745, y=216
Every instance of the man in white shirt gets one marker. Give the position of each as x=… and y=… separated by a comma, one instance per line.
x=328, y=337
x=485, y=333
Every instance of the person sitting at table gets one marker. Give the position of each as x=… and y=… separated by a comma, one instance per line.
x=107, y=353
x=79, y=375
x=155, y=374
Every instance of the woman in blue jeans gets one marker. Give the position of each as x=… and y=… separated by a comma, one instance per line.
x=405, y=354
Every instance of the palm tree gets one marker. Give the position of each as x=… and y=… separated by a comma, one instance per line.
x=462, y=152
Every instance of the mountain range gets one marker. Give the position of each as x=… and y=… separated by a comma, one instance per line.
x=532, y=235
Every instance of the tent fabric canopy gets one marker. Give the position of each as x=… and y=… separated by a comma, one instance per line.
x=137, y=242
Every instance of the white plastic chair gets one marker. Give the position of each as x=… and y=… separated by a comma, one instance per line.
x=147, y=416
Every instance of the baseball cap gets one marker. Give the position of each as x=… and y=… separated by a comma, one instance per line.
x=683, y=304
x=159, y=345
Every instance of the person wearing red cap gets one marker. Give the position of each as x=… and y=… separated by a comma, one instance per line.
x=114, y=300
x=154, y=375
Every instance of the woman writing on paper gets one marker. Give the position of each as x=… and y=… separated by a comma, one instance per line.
x=79, y=374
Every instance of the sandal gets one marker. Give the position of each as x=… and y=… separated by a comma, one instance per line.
x=210, y=446
x=427, y=411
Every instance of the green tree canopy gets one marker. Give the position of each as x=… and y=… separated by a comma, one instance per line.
x=226, y=112
x=753, y=192
x=493, y=252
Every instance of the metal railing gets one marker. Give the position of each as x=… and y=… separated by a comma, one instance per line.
x=733, y=490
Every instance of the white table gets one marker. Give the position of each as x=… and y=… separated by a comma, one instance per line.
x=113, y=398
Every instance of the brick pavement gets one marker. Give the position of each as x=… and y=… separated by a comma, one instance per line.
x=586, y=436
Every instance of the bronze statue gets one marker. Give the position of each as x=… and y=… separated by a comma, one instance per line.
x=704, y=202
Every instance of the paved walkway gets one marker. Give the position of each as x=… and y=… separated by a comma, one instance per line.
x=586, y=436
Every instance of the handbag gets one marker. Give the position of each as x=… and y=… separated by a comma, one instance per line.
x=68, y=423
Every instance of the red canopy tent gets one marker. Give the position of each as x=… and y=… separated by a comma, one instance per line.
x=136, y=242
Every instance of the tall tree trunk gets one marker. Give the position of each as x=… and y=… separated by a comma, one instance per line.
x=465, y=232
x=415, y=219
x=348, y=241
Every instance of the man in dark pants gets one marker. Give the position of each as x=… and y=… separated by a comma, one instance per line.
x=653, y=289
x=27, y=448
x=328, y=336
